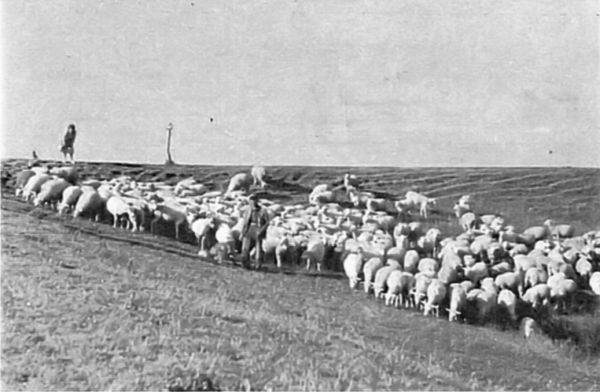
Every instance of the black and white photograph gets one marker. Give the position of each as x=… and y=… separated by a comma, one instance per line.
x=300, y=195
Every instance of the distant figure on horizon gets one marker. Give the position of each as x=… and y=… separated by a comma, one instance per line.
x=34, y=161
x=68, y=143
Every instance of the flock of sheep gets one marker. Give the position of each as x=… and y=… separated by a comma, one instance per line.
x=383, y=244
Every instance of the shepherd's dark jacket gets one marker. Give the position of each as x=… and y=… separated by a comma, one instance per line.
x=258, y=217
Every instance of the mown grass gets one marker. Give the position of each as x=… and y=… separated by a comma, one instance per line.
x=81, y=312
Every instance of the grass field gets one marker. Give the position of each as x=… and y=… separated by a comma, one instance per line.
x=85, y=306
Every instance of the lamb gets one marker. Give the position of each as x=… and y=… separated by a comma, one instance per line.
x=352, y=267
x=226, y=241
x=399, y=285
x=488, y=284
x=118, y=207
x=169, y=213
x=360, y=199
x=89, y=203
x=258, y=176
x=21, y=180
x=50, y=192
x=33, y=185
x=458, y=301
x=69, y=197
x=508, y=300
x=436, y=294
x=369, y=270
x=561, y=292
x=240, y=181
x=380, y=283
x=380, y=204
x=485, y=301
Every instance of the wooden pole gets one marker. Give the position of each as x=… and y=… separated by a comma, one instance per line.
x=169, y=158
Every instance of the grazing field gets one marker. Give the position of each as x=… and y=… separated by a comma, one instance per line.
x=86, y=306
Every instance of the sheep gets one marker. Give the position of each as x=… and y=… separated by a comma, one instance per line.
x=118, y=207
x=69, y=197
x=240, y=181
x=33, y=185
x=436, y=294
x=476, y=272
x=380, y=204
x=369, y=270
x=458, y=301
x=380, y=282
x=200, y=227
x=68, y=173
x=488, y=284
x=537, y=232
x=561, y=292
x=359, y=199
x=510, y=280
x=508, y=300
x=423, y=202
x=534, y=276
x=399, y=285
x=169, y=213
x=419, y=292
x=524, y=263
x=314, y=253
x=466, y=219
x=352, y=267
x=537, y=295
x=594, y=282
x=50, y=192
x=560, y=231
x=428, y=267
x=258, y=176
x=21, y=179
x=90, y=203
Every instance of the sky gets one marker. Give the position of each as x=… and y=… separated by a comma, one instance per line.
x=304, y=82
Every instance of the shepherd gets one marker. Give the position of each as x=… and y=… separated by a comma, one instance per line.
x=254, y=231
x=68, y=143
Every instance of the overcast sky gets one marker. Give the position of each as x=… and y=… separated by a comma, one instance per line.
x=321, y=82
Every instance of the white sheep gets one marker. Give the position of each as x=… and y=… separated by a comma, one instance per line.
x=33, y=185
x=399, y=285
x=69, y=197
x=352, y=267
x=419, y=292
x=369, y=270
x=258, y=176
x=118, y=207
x=528, y=327
x=380, y=282
x=537, y=295
x=200, y=227
x=351, y=182
x=421, y=201
x=50, y=192
x=240, y=181
x=169, y=213
x=476, y=272
x=428, y=266
x=89, y=203
x=436, y=293
x=21, y=180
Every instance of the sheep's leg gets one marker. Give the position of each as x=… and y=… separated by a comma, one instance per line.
x=177, y=224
